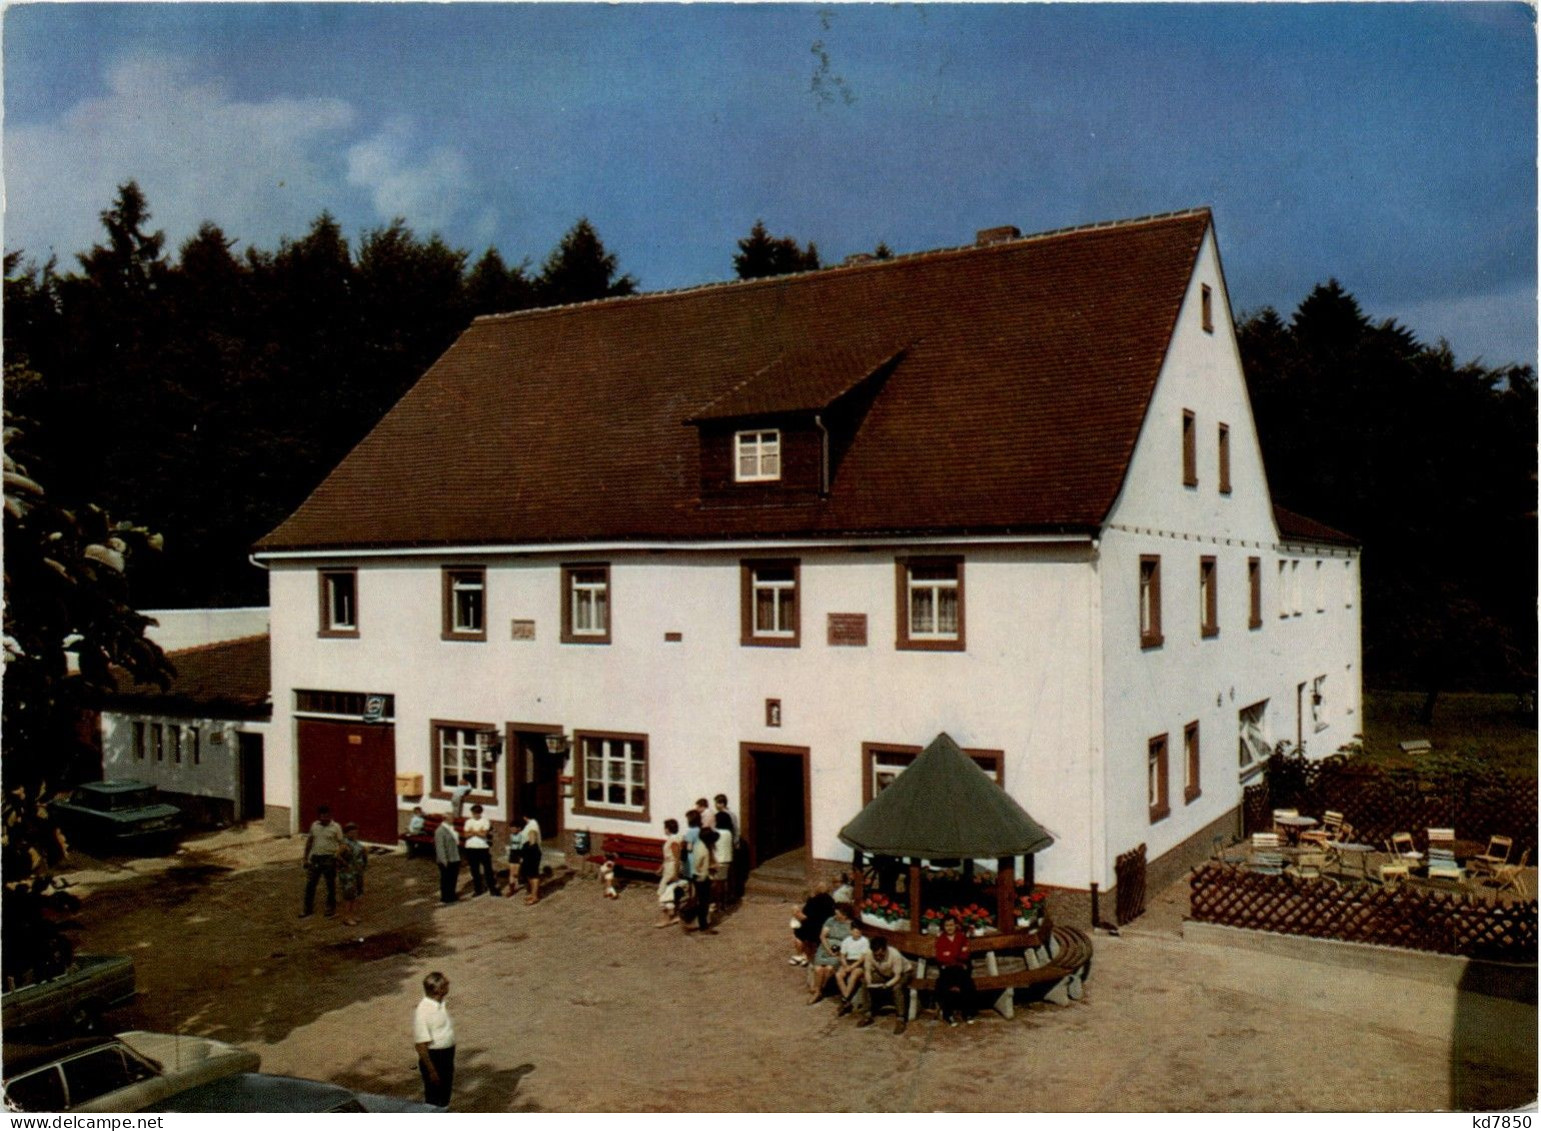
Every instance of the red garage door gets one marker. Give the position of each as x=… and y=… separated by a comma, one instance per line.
x=352, y=768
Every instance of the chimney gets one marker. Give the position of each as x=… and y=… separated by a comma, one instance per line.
x=987, y=236
x=859, y=257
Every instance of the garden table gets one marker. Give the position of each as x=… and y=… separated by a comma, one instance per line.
x=1294, y=826
x=1343, y=848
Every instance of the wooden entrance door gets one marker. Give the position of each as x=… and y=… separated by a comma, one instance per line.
x=352, y=768
x=776, y=814
x=249, y=750
x=535, y=786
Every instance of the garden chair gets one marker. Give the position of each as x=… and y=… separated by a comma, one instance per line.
x=1442, y=865
x=1396, y=870
x=1498, y=850
x=1331, y=828
x=1513, y=875
x=1403, y=847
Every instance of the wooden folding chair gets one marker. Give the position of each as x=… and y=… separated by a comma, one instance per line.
x=1331, y=829
x=1498, y=850
x=1308, y=865
x=1513, y=875
x=1402, y=846
x=1395, y=870
x=1265, y=855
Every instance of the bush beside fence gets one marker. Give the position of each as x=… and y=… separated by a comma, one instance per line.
x=1403, y=916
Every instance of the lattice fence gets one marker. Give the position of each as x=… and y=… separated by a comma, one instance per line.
x=1379, y=802
x=1403, y=916
x=1129, y=874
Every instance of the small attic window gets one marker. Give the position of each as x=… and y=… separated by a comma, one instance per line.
x=1207, y=307
x=757, y=456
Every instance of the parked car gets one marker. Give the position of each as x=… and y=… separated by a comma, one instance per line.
x=258, y=1092
x=122, y=814
x=123, y=1073
x=71, y=1002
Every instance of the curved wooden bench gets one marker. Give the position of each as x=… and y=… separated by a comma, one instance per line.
x=1073, y=960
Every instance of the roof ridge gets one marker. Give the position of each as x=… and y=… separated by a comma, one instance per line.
x=912, y=256
x=211, y=645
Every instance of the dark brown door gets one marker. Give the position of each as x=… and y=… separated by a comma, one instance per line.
x=537, y=781
x=352, y=768
x=250, y=748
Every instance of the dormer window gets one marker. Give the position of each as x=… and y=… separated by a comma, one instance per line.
x=758, y=456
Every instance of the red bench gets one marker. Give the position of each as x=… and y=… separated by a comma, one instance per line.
x=634, y=853
x=431, y=823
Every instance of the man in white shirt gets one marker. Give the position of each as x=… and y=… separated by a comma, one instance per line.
x=434, y=1035
x=458, y=795
x=889, y=971
x=478, y=852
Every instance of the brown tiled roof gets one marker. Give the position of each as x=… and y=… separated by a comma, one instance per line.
x=1298, y=528
x=1026, y=372
x=805, y=382
x=229, y=679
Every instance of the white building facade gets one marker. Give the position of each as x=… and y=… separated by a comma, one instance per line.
x=1119, y=676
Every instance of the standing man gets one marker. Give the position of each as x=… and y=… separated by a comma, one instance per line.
x=434, y=1034
x=322, y=844
x=446, y=853
x=726, y=823
x=479, y=852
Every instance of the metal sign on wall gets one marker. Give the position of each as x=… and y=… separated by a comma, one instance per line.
x=374, y=708
x=849, y=629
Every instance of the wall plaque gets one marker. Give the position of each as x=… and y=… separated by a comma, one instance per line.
x=523, y=630
x=848, y=629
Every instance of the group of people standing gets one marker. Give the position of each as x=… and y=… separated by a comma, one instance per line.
x=472, y=844
x=333, y=854
x=702, y=866
x=828, y=938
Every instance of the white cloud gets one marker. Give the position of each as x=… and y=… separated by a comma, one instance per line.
x=427, y=191
x=261, y=170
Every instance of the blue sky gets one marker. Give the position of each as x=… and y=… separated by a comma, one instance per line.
x=1390, y=145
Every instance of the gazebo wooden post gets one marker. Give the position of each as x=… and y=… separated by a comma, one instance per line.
x=915, y=903
x=1006, y=894
x=856, y=879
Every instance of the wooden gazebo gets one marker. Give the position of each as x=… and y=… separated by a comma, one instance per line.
x=943, y=807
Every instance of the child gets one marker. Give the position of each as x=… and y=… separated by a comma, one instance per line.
x=416, y=824
x=607, y=876
x=853, y=965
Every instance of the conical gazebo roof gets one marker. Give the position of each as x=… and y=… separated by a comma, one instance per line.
x=944, y=807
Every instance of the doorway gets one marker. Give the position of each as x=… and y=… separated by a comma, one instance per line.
x=249, y=751
x=352, y=768
x=776, y=812
x=535, y=777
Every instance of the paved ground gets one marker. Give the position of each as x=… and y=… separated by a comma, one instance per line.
x=577, y=1004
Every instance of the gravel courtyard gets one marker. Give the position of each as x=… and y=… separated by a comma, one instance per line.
x=577, y=1004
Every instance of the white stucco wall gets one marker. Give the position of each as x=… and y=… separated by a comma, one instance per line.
x=1022, y=686
x=1154, y=691
x=217, y=774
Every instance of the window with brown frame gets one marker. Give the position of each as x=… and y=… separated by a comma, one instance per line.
x=586, y=603
x=612, y=775
x=1191, y=762
x=1156, y=767
x=174, y=741
x=462, y=749
x=339, y=603
x=1209, y=601
x=194, y=743
x=139, y=741
x=1254, y=593
x=1223, y=442
x=1150, y=601
x=465, y=603
x=1207, y=308
x=883, y=762
x=930, y=604
x=768, y=606
x=1190, y=449
x=157, y=742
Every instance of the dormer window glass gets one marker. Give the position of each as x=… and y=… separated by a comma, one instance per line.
x=757, y=456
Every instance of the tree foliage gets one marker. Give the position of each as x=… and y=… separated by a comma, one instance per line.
x=761, y=255
x=67, y=598
x=1429, y=463
x=208, y=393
